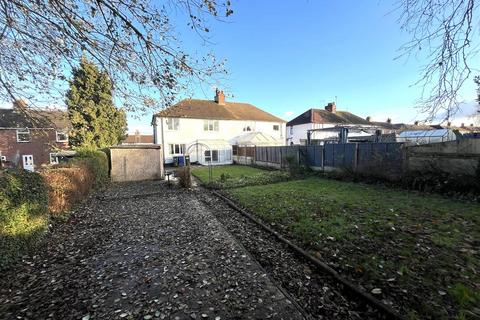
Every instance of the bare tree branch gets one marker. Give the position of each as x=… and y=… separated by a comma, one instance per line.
x=132, y=40
x=444, y=29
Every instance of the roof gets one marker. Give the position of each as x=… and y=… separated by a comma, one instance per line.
x=34, y=118
x=139, y=138
x=424, y=133
x=324, y=116
x=257, y=139
x=209, y=109
x=211, y=143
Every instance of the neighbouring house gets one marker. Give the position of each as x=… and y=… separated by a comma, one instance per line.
x=318, y=122
x=138, y=138
x=205, y=130
x=30, y=138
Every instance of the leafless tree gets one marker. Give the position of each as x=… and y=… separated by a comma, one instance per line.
x=134, y=41
x=446, y=31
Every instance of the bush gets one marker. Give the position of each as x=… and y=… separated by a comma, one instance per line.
x=23, y=212
x=97, y=162
x=68, y=185
x=184, y=176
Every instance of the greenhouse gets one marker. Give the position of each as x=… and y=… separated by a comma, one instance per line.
x=417, y=137
x=206, y=152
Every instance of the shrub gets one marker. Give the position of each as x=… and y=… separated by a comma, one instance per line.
x=97, y=162
x=68, y=185
x=184, y=176
x=23, y=212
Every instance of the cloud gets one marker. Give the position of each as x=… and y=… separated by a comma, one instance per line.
x=288, y=114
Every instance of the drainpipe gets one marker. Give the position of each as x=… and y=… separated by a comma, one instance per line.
x=163, y=140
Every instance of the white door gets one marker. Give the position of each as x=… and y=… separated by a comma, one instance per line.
x=28, y=162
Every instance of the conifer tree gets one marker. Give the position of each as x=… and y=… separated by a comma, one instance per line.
x=96, y=122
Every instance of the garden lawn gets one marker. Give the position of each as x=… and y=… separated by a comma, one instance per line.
x=231, y=176
x=422, y=251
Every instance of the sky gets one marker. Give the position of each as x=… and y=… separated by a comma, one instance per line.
x=288, y=56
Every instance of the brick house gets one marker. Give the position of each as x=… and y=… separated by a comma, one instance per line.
x=30, y=138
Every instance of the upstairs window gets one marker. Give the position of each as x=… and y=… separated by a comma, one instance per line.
x=172, y=123
x=23, y=135
x=62, y=136
x=276, y=127
x=247, y=128
x=210, y=125
x=177, y=148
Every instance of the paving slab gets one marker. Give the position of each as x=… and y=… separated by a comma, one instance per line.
x=142, y=251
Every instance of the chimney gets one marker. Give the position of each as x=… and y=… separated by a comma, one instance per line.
x=137, y=136
x=219, y=97
x=462, y=125
x=19, y=104
x=416, y=123
x=389, y=120
x=449, y=124
x=368, y=118
x=471, y=124
x=331, y=107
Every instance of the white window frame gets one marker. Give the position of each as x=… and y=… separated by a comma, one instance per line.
x=173, y=124
x=61, y=132
x=211, y=125
x=53, y=156
x=172, y=147
x=24, y=131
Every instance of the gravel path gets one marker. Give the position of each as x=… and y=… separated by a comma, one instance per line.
x=142, y=251
x=317, y=294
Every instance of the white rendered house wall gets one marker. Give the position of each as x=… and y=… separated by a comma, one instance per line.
x=181, y=133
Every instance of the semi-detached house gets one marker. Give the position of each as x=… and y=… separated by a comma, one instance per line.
x=206, y=129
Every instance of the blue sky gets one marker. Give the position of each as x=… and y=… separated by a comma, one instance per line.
x=288, y=56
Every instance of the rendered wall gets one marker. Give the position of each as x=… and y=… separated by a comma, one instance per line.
x=136, y=163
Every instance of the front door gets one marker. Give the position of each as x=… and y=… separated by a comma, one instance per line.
x=28, y=162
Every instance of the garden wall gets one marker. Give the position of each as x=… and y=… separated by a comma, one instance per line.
x=455, y=157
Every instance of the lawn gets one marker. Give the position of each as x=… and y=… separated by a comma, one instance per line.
x=422, y=251
x=231, y=176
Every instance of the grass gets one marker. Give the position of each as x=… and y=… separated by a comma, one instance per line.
x=233, y=176
x=422, y=250
x=234, y=171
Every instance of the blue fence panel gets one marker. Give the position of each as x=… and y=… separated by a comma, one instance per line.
x=329, y=160
x=350, y=155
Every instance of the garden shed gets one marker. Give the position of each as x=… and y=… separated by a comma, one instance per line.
x=417, y=137
x=136, y=162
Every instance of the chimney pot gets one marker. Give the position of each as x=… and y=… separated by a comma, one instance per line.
x=369, y=118
x=389, y=120
x=471, y=124
x=416, y=123
x=449, y=124
x=219, y=97
x=331, y=107
x=462, y=125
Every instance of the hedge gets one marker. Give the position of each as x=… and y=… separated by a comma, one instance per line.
x=28, y=199
x=23, y=212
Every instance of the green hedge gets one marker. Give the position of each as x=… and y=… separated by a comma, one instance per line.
x=23, y=212
x=25, y=205
x=97, y=161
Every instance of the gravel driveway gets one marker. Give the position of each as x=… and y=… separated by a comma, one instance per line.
x=142, y=251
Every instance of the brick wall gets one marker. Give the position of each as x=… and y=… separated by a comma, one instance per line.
x=42, y=143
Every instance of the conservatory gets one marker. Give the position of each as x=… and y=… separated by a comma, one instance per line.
x=215, y=152
x=417, y=137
